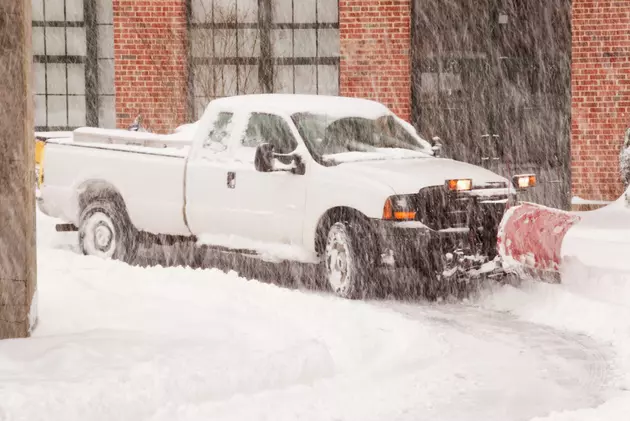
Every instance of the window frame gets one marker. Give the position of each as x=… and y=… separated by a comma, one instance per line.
x=266, y=63
x=89, y=60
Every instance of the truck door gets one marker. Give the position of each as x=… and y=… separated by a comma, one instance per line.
x=205, y=187
x=266, y=207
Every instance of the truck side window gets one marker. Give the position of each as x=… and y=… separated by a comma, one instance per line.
x=218, y=136
x=269, y=128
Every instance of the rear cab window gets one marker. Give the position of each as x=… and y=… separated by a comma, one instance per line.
x=218, y=138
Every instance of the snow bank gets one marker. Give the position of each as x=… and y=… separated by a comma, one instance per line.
x=615, y=409
x=116, y=342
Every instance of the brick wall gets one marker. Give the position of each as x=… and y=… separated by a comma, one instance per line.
x=150, y=62
x=375, y=51
x=600, y=95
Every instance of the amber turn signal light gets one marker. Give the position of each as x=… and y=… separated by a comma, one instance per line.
x=524, y=181
x=459, y=184
x=390, y=214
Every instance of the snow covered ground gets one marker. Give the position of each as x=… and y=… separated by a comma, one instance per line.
x=116, y=342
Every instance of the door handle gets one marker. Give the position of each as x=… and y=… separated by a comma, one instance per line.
x=231, y=180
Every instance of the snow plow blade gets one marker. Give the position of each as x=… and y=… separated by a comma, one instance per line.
x=530, y=238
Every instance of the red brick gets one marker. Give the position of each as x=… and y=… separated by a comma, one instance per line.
x=375, y=52
x=150, y=62
x=600, y=63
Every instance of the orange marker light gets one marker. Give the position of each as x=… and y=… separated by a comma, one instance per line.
x=524, y=181
x=463, y=184
x=404, y=216
x=390, y=215
x=388, y=212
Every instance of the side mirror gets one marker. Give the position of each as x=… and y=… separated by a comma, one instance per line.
x=436, y=146
x=298, y=165
x=263, y=160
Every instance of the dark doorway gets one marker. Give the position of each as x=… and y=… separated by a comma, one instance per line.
x=492, y=78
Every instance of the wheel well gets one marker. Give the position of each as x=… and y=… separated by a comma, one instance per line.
x=100, y=190
x=331, y=217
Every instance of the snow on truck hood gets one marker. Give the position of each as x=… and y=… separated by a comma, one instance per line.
x=407, y=176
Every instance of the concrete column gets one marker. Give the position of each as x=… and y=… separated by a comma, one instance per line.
x=18, y=264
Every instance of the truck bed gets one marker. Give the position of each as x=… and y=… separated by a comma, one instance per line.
x=146, y=169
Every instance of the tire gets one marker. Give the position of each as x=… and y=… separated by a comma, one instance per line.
x=348, y=264
x=106, y=231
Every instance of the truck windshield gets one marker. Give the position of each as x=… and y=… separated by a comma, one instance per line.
x=358, y=138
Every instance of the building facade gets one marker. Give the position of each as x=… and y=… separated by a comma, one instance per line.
x=492, y=78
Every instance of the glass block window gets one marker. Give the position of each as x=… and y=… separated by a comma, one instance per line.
x=66, y=81
x=254, y=46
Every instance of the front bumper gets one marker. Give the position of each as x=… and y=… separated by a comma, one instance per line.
x=414, y=245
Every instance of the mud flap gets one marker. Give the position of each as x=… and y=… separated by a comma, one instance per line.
x=530, y=239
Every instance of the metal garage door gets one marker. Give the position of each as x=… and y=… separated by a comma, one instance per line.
x=492, y=79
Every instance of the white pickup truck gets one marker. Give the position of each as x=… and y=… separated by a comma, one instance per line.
x=336, y=180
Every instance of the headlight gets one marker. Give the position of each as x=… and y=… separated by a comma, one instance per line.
x=459, y=184
x=396, y=208
x=524, y=181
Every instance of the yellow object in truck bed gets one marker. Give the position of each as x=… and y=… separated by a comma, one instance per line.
x=40, y=143
x=39, y=151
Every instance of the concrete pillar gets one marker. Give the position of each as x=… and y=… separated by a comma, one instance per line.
x=18, y=264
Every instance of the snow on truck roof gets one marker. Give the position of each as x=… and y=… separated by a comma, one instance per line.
x=296, y=103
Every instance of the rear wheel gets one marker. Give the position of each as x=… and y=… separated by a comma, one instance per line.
x=105, y=231
x=347, y=262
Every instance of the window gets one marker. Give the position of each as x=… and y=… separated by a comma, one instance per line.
x=218, y=137
x=304, y=36
x=269, y=128
x=105, y=57
x=255, y=46
x=68, y=81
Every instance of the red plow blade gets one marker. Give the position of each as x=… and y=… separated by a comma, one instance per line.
x=530, y=238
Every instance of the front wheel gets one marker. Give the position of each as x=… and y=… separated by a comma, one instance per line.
x=105, y=231
x=347, y=262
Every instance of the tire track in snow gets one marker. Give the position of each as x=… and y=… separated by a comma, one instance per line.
x=560, y=348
